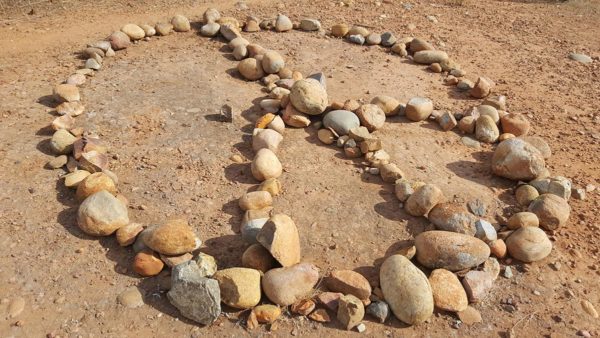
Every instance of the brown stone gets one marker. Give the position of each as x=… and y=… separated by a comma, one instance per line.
x=349, y=282
x=147, y=263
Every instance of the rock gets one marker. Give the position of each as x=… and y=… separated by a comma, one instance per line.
x=57, y=162
x=280, y=236
x=373, y=39
x=447, y=121
x=240, y=287
x=259, y=258
x=163, y=29
x=528, y=244
x=256, y=200
x=70, y=108
x=481, y=89
x=320, y=315
x=523, y=219
x=93, y=161
x=76, y=79
x=210, y=29
x=149, y=31
x=229, y=31
x=390, y=172
x=477, y=284
x=320, y=77
x=467, y=124
x=423, y=200
x=173, y=261
x=174, y=237
x=374, y=144
x=551, y=210
x=95, y=183
x=283, y=23
x=73, y=179
x=403, y=190
x=351, y=311
x=589, y=308
x=310, y=25
x=517, y=160
x=389, y=105
x=578, y=193
x=272, y=62
x=16, y=307
x=558, y=185
x=485, y=110
x=326, y=136
x=485, y=231
x=428, y=57
x=448, y=292
x=101, y=214
x=436, y=68
x=285, y=286
x=127, y=234
x=498, y=248
x=119, y=40
x=266, y=165
x=134, y=31
x=453, y=217
x=371, y=116
x=196, y=297
x=251, y=69
x=266, y=138
x=207, y=264
x=146, y=263
x=580, y=58
x=272, y=186
x=516, y=124
x=357, y=39
x=329, y=299
x=66, y=93
x=267, y=313
x=211, y=15
x=377, y=158
x=449, y=250
x=303, y=307
x=400, y=49
x=525, y=194
x=309, y=97
x=492, y=267
x=341, y=121
x=251, y=228
x=406, y=290
x=294, y=118
x=102, y=45
x=180, y=23
x=469, y=316
x=349, y=282
x=358, y=30
x=539, y=144
x=379, y=310
x=417, y=45
x=240, y=52
x=131, y=298
x=340, y=30
x=418, y=108
x=486, y=129
x=388, y=39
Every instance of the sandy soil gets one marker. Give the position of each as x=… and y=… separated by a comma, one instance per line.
x=157, y=105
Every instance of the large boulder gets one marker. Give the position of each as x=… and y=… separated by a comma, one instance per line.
x=517, y=160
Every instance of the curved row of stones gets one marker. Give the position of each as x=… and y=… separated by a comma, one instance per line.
x=461, y=246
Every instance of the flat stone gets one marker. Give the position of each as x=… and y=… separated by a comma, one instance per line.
x=131, y=298
x=349, y=282
x=477, y=285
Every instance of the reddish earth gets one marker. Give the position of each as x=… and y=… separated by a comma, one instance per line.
x=157, y=105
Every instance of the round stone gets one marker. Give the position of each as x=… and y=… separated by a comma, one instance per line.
x=417, y=45
x=371, y=116
x=340, y=30
x=131, y=298
x=552, y=211
x=529, y=244
x=163, y=29
x=127, y=235
x=66, y=93
x=240, y=287
x=418, y=108
x=358, y=30
x=211, y=15
x=449, y=250
x=539, y=143
x=309, y=97
x=148, y=30
x=453, y=217
x=310, y=25
x=101, y=214
x=486, y=129
x=266, y=138
x=517, y=160
x=389, y=105
x=467, y=124
x=266, y=165
x=349, y=282
x=94, y=183
x=287, y=285
x=523, y=219
x=283, y=23
x=147, y=263
x=326, y=136
x=373, y=39
x=256, y=200
x=259, y=258
x=174, y=237
x=251, y=69
x=428, y=57
x=341, y=121
x=267, y=313
x=62, y=142
x=119, y=40
x=516, y=124
x=210, y=29
x=423, y=200
x=180, y=23
x=272, y=62
x=388, y=39
x=134, y=31
x=525, y=194
x=448, y=292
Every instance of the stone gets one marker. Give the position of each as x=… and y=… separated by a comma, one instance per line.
x=251, y=228
x=371, y=116
x=330, y=300
x=93, y=161
x=423, y=200
x=418, y=109
x=377, y=158
x=525, y=194
x=272, y=186
x=266, y=138
x=340, y=30
x=267, y=313
x=229, y=31
x=477, y=284
x=252, y=26
x=486, y=129
x=294, y=118
x=146, y=263
x=119, y=40
x=66, y=93
x=417, y=45
x=149, y=31
x=134, y=31
x=361, y=134
x=400, y=49
x=207, y=264
x=578, y=193
x=469, y=316
x=498, y=102
x=467, y=124
x=272, y=62
x=447, y=121
x=523, y=219
x=528, y=244
x=173, y=261
x=283, y=23
x=180, y=23
x=406, y=290
x=240, y=52
x=517, y=160
x=131, y=298
x=341, y=121
x=309, y=97
x=539, y=143
x=287, y=285
x=76, y=79
x=379, y=310
x=256, y=200
x=485, y=110
x=320, y=77
x=103, y=45
x=558, y=185
x=428, y=57
x=101, y=214
x=453, y=217
x=389, y=105
x=403, y=190
x=552, y=211
x=390, y=172
x=320, y=315
x=163, y=29
x=57, y=162
x=498, y=248
x=359, y=30
x=349, y=282
x=240, y=287
x=251, y=69
x=351, y=311
x=448, y=292
x=373, y=39
x=374, y=144
x=266, y=165
x=280, y=236
x=589, y=308
x=310, y=25
x=73, y=179
x=211, y=15
x=303, y=307
x=436, y=68
x=356, y=39
x=16, y=307
x=326, y=136
x=70, y=108
x=516, y=124
x=196, y=297
x=210, y=29
x=481, y=89
x=449, y=250
x=173, y=237
x=388, y=39
x=485, y=231
x=580, y=58
x=492, y=266
x=95, y=183
x=127, y=234
x=259, y=258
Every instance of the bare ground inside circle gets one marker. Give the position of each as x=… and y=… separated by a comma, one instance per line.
x=157, y=106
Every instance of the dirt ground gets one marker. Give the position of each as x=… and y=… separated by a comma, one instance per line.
x=157, y=105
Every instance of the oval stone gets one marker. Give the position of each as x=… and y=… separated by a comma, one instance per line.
x=453, y=217
x=517, y=160
x=448, y=292
x=529, y=244
x=423, y=200
x=552, y=211
x=285, y=286
x=449, y=250
x=341, y=121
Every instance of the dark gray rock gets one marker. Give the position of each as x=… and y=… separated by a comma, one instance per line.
x=379, y=310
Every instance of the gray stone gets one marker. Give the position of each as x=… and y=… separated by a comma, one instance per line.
x=388, y=39
x=485, y=231
x=341, y=121
x=477, y=207
x=379, y=310
x=580, y=58
x=251, y=228
x=92, y=64
x=196, y=297
x=207, y=264
x=469, y=142
x=210, y=29
x=558, y=185
x=319, y=77
x=373, y=39
x=310, y=25
x=357, y=39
